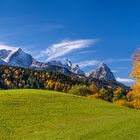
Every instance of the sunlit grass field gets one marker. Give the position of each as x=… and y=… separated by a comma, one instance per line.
x=48, y=115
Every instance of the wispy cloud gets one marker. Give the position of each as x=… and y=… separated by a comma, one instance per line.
x=118, y=69
x=114, y=71
x=122, y=68
x=125, y=80
x=118, y=60
x=97, y=62
x=7, y=47
x=66, y=46
x=7, y=31
x=87, y=52
x=13, y=47
x=41, y=28
x=89, y=63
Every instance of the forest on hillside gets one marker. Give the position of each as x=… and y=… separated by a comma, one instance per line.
x=26, y=78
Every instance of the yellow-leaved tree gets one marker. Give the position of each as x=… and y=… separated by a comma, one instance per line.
x=135, y=93
x=136, y=72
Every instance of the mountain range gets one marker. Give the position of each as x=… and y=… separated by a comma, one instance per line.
x=22, y=59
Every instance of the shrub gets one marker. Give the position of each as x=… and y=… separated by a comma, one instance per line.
x=79, y=90
x=136, y=103
x=134, y=98
x=93, y=89
x=124, y=103
x=106, y=94
x=118, y=94
x=96, y=95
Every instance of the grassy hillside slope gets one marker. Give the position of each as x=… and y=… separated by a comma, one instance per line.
x=47, y=115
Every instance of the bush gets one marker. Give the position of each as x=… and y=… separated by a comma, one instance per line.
x=136, y=103
x=93, y=89
x=106, y=94
x=134, y=99
x=118, y=94
x=124, y=103
x=96, y=95
x=79, y=90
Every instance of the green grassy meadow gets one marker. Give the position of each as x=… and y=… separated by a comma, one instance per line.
x=47, y=115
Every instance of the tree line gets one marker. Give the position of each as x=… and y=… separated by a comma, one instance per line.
x=19, y=78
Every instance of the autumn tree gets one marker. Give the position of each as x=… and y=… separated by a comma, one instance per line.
x=118, y=93
x=79, y=90
x=93, y=89
x=136, y=73
x=105, y=94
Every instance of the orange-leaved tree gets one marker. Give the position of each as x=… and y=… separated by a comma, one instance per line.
x=136, y=74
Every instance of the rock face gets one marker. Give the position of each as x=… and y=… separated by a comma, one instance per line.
x=90, y=74
x=4, y=53
x=19, y=58
x=66, y=66
x=76, y=69
x=103, y=72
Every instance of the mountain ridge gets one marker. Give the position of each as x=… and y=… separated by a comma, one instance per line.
x=22, y=59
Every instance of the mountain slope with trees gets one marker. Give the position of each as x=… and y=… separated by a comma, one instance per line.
x=28, y=78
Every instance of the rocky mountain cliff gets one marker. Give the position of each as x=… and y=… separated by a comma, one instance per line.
x=103, y=72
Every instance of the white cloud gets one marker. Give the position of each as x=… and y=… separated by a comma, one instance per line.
x=118, y=60
x=42, y=28
x=65, y=47
x=125, y=80
x=89, y=63
x=7, y=47
x=122, y=68
x=125, y=60
x=87, y=52
x=114, y=71
x=50, y=27
x=96, y=62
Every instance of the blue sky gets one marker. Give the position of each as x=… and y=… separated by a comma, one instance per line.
x=86, y=31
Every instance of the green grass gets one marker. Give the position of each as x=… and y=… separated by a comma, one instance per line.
x=47, y=115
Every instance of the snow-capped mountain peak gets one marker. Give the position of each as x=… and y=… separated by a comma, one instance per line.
x=76, y=69
x=6, y=59
x=4, y=53
x=67, y=62
x=103, y=72
x=18, y=58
